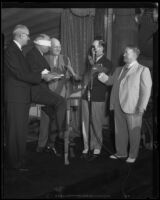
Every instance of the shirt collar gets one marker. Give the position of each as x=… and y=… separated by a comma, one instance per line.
x=131, y=64
x=17, y=43
x=99, y=57
x=40, y=51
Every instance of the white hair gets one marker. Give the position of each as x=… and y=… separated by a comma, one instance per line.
x=19, y=29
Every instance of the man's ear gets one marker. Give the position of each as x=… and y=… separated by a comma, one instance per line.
x=21, y=36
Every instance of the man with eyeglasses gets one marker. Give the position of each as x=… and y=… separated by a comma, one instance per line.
x=58, y=64
x=18, y=83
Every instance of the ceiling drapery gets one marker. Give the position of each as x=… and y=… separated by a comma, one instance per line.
x=83, y=12
x=38, y=20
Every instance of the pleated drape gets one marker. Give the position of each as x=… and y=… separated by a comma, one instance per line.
x=77, y=34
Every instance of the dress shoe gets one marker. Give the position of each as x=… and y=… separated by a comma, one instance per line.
x=130, y=160
x=23, y=169
x=84, y=156
x=93, y=157
x=53, y=151
x=39, y=149
x=116, y=156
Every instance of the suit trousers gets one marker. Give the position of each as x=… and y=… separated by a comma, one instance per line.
x=98, y=112
x=55, y=106
x=127, y=131
x=44, y=135
x=17, y=130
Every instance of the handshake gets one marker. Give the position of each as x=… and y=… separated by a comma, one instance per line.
x=48, y=76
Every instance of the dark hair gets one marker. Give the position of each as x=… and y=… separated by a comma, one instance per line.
x=103, y=44
x=134, y=48
x=41, y=36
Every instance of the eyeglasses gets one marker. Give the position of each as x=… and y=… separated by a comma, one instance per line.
x=26, y=34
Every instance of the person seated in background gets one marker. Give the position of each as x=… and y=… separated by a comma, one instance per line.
x=98, y=63
x=60, y=64
x=41, y=93
x=129, y=98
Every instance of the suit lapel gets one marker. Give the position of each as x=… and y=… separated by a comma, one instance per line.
x=133, y=69
x=130, y=71
x=17, y=48
x=41, y=58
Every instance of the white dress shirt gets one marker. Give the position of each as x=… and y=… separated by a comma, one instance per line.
x=131, y=64
x=17, y=43
x=98, y=58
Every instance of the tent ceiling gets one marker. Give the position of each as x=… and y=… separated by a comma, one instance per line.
x=38, y=20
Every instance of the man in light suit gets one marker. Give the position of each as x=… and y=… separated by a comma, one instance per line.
x=129, y=98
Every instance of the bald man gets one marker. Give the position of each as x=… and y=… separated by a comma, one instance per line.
x=18, y=83
x=60, y=64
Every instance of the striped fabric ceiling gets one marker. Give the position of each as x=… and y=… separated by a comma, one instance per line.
x=38, y=20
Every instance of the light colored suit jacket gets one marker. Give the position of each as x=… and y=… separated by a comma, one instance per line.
x=134, y=90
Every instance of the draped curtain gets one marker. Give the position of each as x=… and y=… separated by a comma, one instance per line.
x=103, y=27
x=77, y=33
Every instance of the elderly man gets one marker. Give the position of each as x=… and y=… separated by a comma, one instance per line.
x=41, y=93
x=60, y=64
x=18, y=83
x=98, y=63
x=129, y=98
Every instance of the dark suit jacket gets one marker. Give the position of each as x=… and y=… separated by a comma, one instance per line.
x=18, y=78
x=37, y=63
x=99, y=89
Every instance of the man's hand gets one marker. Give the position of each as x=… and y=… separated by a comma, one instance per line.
x=48, y=77
x=91, y=61
x=103, y=77
x=45, y=71
x=140, y=111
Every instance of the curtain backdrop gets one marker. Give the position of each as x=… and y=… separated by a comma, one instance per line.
x=125, y=31
x=77, y=34
x=99, y=23
x=103, y=27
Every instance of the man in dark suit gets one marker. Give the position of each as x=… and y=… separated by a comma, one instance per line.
x=37, y=62
x=18, y=82
x=98, y=95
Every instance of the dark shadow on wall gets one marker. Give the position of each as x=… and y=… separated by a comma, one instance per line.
x=121, y=61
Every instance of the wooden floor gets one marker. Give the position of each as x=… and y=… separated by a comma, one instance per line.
x=103, y=178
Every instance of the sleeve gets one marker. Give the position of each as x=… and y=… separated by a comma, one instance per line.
x=145, y=88
x=112, y=78
x=107, y=67
x=12, y=62
x=31, y=62
x=69, y=67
